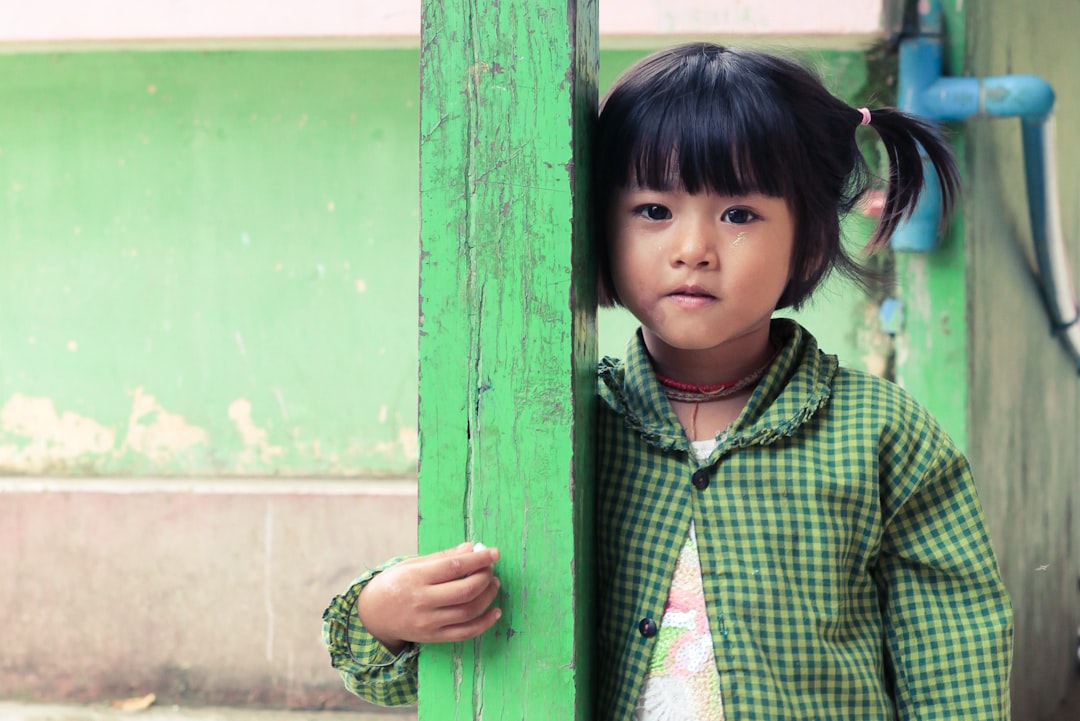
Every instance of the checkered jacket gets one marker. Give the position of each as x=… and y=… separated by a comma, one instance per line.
x=845, y=560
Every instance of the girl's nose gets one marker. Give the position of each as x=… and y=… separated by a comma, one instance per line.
x=696, y=246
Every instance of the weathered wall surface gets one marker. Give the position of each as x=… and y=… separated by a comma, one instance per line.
x=209, y=263
x=1024, y=412
x=201, y=592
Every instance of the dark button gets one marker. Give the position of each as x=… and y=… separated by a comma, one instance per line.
x=700, y=479
x=647, y=627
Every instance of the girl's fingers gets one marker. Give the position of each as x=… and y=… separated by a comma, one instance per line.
x=460, y=591
x=469, y=629
x=450, y=615
x=460, y=548
x=444, y=567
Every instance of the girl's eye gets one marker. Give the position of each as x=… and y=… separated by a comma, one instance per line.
x=738, y=216
x=654, y=211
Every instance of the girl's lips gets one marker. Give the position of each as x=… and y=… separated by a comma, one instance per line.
x=691, y=297
x=692, y=291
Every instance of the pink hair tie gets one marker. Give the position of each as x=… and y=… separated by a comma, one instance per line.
x=865, y=116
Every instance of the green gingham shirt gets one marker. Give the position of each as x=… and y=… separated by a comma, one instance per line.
x=845, y=560
x=368, y=669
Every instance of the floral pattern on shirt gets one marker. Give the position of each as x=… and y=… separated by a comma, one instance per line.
x=683, y=684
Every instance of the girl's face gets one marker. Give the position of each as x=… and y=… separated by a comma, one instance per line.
x=700, y=272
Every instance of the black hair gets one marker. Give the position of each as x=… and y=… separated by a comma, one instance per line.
x=700, y=116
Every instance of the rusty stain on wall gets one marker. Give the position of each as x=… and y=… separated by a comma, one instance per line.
x=36, y=438
x=876, y=344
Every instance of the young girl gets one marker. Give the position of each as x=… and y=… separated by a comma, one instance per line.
x=778, y=537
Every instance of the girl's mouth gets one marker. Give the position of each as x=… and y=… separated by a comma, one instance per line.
x=691, y=291
x=691, y=297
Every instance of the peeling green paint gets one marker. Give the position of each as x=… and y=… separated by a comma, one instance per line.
x=507, y=345
x=210, y=260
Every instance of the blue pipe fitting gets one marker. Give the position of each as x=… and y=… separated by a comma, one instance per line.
x=923, y=91
x=920, y=231
x=1016, y=96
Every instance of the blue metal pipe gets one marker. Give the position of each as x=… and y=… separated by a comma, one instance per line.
x=923, y=91
x=1048, y=240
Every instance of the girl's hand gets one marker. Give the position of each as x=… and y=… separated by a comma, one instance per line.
x=440, y=597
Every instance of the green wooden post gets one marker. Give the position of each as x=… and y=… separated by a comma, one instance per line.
x=508, y=343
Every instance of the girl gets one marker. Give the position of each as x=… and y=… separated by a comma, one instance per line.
x=778, y=537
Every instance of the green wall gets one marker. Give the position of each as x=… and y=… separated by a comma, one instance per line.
x=210, y=262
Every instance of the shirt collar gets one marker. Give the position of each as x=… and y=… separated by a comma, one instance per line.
x=796, y=385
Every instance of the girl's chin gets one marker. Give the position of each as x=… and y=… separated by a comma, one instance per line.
x=691, y=339
x=686, y=341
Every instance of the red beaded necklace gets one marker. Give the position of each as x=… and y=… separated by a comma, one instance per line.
x=706, y=392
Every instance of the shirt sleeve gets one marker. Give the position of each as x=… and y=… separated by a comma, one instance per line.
x=368, y=668
x=948, y=618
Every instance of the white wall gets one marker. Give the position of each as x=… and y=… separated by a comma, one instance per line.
x=26, y=24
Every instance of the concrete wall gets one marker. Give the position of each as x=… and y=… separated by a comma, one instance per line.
x=1024, y=412
x=201, y=592
x=209, y=291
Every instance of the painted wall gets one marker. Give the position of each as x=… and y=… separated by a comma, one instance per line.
x=209, y=271
x=1024, y=411
x=198, y=591
x=209, y=263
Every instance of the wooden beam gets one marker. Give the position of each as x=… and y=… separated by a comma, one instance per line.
x=507, y=343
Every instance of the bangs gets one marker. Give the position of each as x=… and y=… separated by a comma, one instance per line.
x=703, y=128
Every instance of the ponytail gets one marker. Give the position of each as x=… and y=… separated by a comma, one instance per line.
x=909, y=141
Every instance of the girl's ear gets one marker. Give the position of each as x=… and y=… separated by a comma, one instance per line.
x=816, y=255
x=812, y=267
x=605, y=295
x=804, y=276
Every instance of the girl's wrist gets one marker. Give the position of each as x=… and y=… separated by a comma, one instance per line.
x=394, y=646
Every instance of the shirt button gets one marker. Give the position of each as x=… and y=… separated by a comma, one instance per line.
x=700, y=479
x=647, y=627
